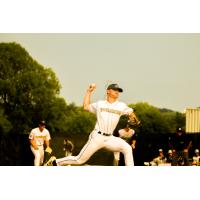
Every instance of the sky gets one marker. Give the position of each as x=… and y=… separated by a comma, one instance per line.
x=160, y=69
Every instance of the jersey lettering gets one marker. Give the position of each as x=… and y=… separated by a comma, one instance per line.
x=40, y=136
x=111, y=111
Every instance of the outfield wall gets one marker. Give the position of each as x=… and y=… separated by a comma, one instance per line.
x=193, y=120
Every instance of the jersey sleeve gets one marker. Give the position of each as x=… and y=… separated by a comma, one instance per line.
x=127, y=110
x=93, y=108
x=31, y=135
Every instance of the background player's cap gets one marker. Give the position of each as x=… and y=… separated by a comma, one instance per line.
x=179, y=130
x=160, y=150
x=196, y=150
x=115, y=87
x=42, y=122
x=170, y=151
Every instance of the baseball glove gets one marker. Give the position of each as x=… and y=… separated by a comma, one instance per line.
x=133, y=121
x=48, y=150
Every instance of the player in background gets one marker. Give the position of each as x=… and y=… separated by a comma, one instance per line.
x=68, y=147
x=170, y=157
x=180, y=146
x=108, y=113
x=196, y=158
x=160, y=159
x=37, y=138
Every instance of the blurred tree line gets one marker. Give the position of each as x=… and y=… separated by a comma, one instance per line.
x=29, y=92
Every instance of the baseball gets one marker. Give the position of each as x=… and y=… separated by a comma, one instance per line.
x=93, y=85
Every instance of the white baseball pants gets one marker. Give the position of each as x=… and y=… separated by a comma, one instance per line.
x=95, y=142
x=39, y=155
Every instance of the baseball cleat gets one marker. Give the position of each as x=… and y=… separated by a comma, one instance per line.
x=146, y=163
x=51, y=162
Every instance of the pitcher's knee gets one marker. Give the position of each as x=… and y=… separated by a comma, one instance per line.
x=81, y=161
x=128, y=150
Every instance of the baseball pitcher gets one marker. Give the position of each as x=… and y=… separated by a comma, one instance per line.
x=108, y=113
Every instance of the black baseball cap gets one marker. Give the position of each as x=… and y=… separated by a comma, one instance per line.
x=179, y=130
x=115, y=87
x=42, y=122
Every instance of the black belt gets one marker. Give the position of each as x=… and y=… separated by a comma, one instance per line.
x=105, y=134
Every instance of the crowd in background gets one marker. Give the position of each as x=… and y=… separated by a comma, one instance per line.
x=171, y=158
x=178, y=153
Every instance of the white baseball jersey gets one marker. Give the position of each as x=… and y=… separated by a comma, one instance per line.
x=196, y=158
x=39, y=137
x=108, y=114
